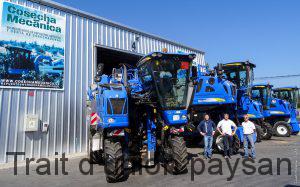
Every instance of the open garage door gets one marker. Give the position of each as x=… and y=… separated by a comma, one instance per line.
x=112, y=58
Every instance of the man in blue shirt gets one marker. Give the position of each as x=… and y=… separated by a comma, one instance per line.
x=207, y=129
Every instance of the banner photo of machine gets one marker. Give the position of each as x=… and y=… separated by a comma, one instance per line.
x=32, y=47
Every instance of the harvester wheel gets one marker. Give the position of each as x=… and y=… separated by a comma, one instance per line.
x=220, y=145
x=180, y=155
x=114, y=161
x=267, y=131
x=259, y=132
x=282, y=129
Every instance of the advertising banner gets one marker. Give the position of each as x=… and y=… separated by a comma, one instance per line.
x=32, y=47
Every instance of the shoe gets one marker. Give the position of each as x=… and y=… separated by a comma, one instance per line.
x=226, y=157
x=246, y=157
x=229, y=157
x=209, y=157
x=253, y=158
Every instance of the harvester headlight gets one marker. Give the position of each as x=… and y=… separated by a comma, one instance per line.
x=273, y=101
x=183, y=117
x=110, y=120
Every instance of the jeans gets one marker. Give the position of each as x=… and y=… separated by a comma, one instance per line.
x=208, y=141
x=227, y=145
x=249, y=137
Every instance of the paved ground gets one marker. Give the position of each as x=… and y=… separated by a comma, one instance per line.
x=273, y=149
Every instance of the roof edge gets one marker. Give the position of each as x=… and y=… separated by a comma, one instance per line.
x=75, y=11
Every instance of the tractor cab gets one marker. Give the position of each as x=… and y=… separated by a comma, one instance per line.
x=166, y=77
x=18, y=61
x=272, y=106
x=262, y=94
x=290, y=94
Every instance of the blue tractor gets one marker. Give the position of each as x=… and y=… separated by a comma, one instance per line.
x=214, y=95
x=140, y=114
x=290, y=94
x=241, y=74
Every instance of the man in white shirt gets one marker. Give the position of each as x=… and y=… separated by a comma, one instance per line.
x=248, y=129
x=225, y=128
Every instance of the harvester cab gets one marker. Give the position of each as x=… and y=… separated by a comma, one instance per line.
x=241, y=74
x=291, y=95
x=167, y=75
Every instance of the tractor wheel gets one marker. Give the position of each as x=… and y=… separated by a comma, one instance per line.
x=220, y=145
x=259, y=132
x=282, y=129
x=95, y=157
x=180, y=155
x=267, y=131
x=114, y=161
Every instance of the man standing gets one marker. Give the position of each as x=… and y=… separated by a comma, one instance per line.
x=225, y=128
x=207, y=129
x=248, y=129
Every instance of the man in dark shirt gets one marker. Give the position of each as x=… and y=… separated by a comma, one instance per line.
x=207, y=129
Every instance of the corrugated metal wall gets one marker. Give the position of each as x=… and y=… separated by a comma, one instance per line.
x=65, y=110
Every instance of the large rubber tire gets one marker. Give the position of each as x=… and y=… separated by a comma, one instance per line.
x=282, y=129
x=179, y=154
x=95, y=157
x=236, y=144
x=259, y=133
x=114, y=161
x=267, y=131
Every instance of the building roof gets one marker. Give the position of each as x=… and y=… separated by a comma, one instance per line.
x=87, y=15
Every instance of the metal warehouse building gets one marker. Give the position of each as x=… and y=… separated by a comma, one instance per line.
x=88, y=40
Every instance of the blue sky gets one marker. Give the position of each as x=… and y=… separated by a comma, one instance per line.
x=264, y=32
